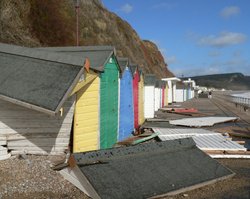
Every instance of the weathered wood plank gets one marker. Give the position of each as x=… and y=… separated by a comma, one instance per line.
x=35, y=132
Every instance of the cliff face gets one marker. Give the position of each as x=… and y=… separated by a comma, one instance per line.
x=52, y=23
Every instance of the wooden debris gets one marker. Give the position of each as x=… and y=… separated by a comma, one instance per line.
x=145, y=139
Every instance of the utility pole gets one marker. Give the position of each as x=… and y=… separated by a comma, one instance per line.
x=77, y=21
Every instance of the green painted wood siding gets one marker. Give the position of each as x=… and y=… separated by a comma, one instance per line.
x=109, y=105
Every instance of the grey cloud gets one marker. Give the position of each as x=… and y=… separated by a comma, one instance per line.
x=223, y=39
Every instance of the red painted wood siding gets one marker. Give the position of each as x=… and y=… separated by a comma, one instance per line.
x=136, y=97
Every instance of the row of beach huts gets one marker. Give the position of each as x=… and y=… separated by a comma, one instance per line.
x=83, y=97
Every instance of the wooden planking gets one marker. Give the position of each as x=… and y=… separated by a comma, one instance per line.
x=51, y=130
x=141, y=100
x=77, y=178
x=36, y=135
x=86, y=118
x=157, y=98
x=34, y=132
x=43, y=142
x=149, y=102
x=166, y=96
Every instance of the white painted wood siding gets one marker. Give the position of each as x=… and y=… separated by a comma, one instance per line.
x=149, y=101
x=170, y=92
x=32, y=132
x=179, y=95
x=157, y=99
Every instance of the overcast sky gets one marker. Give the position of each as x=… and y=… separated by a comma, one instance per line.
x=196, y=37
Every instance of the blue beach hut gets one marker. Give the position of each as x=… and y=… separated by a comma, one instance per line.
x=126, y=116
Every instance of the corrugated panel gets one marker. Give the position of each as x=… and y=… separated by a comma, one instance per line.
x=126, y=120
x=136, y=98
x=217, y=142
x=149, y=102
x=86, y=127
x=178, y=131
x=204, y=139
x=201, y=121
x=141, y=100
x=109, y=105
x=209, y=142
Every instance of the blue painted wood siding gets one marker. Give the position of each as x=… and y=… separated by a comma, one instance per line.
x=126, y=121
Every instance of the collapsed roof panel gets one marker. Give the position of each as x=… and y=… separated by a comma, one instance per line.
x=202, y=121
x=145, y=170
x=204, y=139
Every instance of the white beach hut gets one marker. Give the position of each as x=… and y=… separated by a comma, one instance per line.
x=149, y=95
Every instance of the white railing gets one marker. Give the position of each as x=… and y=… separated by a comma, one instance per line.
x=243, y=101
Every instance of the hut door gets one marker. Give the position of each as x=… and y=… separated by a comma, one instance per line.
x=136, y=97
x=109, y=106
x=126, y=125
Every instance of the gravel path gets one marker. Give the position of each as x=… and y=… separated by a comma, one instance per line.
x=33, y=178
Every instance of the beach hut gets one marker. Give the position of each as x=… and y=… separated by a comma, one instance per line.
x=136, y=79
x=126, y=115
x=149, y=95
x=171, y=81
x=141, y=98
x=180, y=92
x=190, y=84
x=37, y=97
x=96, y=115
x=164, y=94
x=157, y=94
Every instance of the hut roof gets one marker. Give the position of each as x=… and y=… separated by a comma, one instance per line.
x=149, y=80
x=123, y=62
x=133, y=67
x=158, y=83
x=98, y=55
x=37, y=79
x=180, y=85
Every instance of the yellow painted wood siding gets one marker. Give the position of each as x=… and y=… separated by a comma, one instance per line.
x=86, y=118
x=166, y=96
x=141, y=101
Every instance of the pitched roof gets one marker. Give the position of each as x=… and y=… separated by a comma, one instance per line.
x=98, y=55
x=146, y=170
x=180, y=85
x=123, y=62
x=36, y=79
x=149, y=80
x=42, y=55
x=133, y=67
x=158, y=84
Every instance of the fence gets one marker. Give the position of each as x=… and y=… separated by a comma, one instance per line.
x=243, y=101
